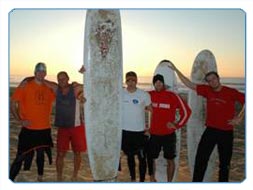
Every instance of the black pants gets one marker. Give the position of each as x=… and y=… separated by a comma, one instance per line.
x=133, y=143
x=28, y=142
x=17, y=163
x=149, y=158
x=142, y=165
x=224, y=142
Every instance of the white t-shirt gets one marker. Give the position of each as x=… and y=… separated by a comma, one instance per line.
x=134, y=109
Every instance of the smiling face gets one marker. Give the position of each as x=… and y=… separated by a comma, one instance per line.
x=213, y=81
x=63, y=80
x=131, y=82
x=40, y=76
x=159, y=86
x=40, y=72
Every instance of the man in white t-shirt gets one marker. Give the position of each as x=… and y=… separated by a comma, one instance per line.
x=135, y=103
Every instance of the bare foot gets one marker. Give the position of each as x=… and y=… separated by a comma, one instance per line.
x=59, y=178
x=152, y=178
x=40, y=178
x=74, y=178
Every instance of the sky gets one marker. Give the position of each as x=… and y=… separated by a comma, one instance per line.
x=56, y=37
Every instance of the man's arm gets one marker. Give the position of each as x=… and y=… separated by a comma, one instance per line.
x=78, y=88
x=184, y=114
x=77, y=85
x=148, y=110
x=183, y=78
x=51, y=84
x=25, y=81
x=15, y=112
x=242, y=112
x=238, y=119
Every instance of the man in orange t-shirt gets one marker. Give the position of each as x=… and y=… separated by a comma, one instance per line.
x=31, y=106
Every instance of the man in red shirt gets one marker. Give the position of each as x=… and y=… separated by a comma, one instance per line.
x=164, y=123
x=220, y=121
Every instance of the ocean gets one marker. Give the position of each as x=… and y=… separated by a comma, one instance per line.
x=145, y=82
x=233, y=82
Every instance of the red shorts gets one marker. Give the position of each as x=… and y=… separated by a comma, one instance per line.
x=74, y=136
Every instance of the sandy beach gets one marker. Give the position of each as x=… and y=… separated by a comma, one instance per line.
x=237, y=172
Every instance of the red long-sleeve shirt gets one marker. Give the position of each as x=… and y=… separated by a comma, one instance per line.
x=165, y=104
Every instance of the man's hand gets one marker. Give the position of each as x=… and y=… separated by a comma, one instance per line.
x=25, y=123
x=82, y=70
x=172, y=66
x=235, y=121
x=171, y=125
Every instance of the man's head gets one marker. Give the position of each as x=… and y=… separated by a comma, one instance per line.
x=211, y=73
x=40, y=67
x=213, y=80
x=40, y=71
x=158, y=82
x=131, y=76
x=63, y=79
x=131, y=79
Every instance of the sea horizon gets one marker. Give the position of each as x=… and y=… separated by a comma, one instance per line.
x=145, y=82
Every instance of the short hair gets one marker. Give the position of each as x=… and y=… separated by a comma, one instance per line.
x=63, y=72
x=158, y=77
x=131, y=74
x=40, y=67
x=211, y=73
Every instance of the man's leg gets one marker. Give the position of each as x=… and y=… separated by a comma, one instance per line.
x=60, y=164
x=16, y=166
x=28, y=160
x=170, y=169
x=131, y=166
x=77, y=165
x=142, y=165
x=225, y=149
x=205, y=148
x=40, y=163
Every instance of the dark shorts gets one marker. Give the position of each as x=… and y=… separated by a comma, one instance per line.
x=167, y=143
x=133, y=142
x=30, y=139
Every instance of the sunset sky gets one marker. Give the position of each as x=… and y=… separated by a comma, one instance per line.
x=55, y=36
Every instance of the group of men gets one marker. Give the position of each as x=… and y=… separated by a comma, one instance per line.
x=31, y=106
x=163, y=105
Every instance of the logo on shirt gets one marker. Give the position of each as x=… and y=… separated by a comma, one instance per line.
x=39, y=97
x=165, y=106
x=161, y=105
x=135, y=101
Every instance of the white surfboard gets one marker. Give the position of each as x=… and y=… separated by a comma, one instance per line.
x=102, y=88
x=170, y=81
x=203, y=63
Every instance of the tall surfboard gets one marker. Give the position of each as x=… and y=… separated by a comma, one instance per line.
x=170, y=81
x=203, y=63
x=102, y=88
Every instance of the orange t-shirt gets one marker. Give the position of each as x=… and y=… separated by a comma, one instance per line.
x=35, y=104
